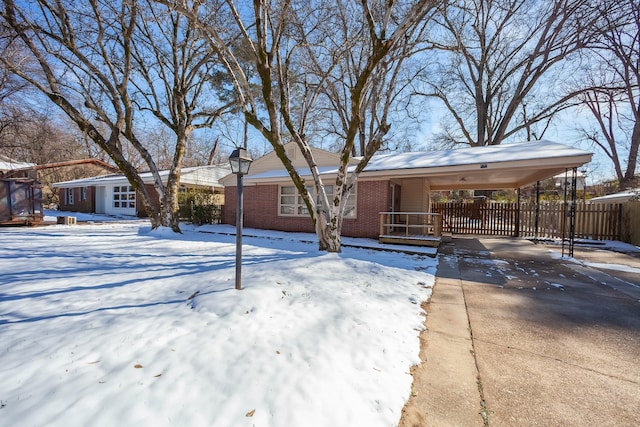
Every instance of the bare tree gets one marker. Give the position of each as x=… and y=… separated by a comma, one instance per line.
x=104, y=63
x=346, y=53
x=614, y=97
x=29, y=132
x=84, y=67
x=333, y=56
x=180, y=84
x=501, y=63
x=13, y=115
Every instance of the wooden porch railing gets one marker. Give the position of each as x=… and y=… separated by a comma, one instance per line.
x=410, y=224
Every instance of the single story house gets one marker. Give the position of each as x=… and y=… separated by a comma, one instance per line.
x=399, y=182
x=563, y=180
x=113, y=195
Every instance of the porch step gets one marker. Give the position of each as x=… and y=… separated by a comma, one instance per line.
x=430, y=241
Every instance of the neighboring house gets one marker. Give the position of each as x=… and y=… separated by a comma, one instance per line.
x=392, y=182
x=20, y=193
x=629, y=212
x=113, y=195
x=563, y=180
x=621, y=197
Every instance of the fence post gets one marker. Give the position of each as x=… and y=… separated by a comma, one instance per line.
x=437, y=225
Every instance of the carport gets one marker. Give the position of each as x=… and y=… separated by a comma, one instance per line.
x=507, y=166
x=510, y=166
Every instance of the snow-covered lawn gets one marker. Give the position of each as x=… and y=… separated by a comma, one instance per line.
x=111, y=325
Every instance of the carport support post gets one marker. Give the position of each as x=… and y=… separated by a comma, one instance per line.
x=537, y=210
x=517, y=228
x=564, y=209
x=572, y=212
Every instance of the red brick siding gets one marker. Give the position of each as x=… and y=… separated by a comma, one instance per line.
x=142, y=212
x=372, y=198
x=261, y=210
x=86, y=206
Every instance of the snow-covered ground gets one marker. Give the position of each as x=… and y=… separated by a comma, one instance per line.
x=113, y=325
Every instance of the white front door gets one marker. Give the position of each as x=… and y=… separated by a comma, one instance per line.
x=101, y=200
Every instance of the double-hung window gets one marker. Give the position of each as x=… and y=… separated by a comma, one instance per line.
x=69, y=196
x=292, y=204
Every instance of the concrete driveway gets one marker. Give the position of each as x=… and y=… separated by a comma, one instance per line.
x=517, y=336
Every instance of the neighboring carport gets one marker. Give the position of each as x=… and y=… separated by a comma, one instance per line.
x=621, y=197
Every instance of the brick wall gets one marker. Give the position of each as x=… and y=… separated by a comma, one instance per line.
x=86, y=206
x=373, y=197
x=261, y=210
x=141, y=211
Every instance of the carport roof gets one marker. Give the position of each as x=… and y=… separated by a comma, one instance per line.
x=489, y=167
x=621, y=197
x=8, y=164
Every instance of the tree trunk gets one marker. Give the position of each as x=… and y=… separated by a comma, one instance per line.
x=169, y=209
x=329, y=233
x=628, y=180
x=329, y=215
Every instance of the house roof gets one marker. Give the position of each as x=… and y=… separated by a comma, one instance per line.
x=489, y=167
x=8, y=164
x=96, y=162
x=579, y=175
x=201, y=176
x=621, y=197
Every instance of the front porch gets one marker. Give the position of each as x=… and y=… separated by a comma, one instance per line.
x=411, y=228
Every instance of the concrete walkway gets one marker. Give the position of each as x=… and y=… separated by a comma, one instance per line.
x=518, y=337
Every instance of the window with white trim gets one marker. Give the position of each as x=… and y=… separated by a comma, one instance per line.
x=292, y=204
x=124, y=197
x=83, y=194
x=69, y=196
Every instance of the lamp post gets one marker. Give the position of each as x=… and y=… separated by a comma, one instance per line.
x=240, y=162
